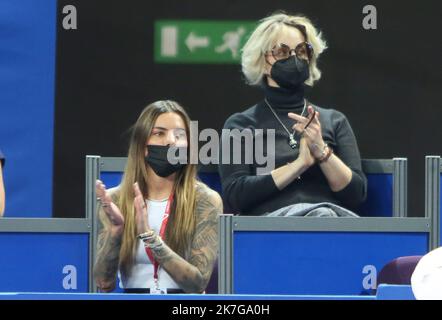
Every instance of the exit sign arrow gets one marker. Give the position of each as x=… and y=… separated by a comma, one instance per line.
x=193, y=42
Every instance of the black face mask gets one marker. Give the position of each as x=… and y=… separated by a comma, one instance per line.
x=158, y=161
x=290, y=73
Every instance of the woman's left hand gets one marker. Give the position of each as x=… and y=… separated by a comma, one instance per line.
x=140, y=210
x=312, y=133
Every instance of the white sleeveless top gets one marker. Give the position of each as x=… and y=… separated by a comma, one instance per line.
x=141, y=275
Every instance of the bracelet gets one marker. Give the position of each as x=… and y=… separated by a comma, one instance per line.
x=326, y=153
x=146, y=236
x=155, y=244
x=323, y=152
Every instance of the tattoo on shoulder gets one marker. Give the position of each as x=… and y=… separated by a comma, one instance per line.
x=208, y=203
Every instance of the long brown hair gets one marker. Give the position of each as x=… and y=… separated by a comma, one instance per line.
x=181, y=225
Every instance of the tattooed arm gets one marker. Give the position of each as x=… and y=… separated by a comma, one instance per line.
x=193, y=276
x=106, y=264
x=109, y=240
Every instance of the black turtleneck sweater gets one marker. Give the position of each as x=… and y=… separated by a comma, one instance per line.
x=247, y=193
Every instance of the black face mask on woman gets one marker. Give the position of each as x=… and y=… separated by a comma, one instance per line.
x=290, y=73
x=158, y=160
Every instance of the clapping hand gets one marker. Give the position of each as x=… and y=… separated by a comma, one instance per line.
x=110, y=209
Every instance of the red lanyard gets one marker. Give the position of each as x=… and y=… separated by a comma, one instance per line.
x=162, y=231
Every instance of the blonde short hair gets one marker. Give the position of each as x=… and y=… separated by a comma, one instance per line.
x=263, y=39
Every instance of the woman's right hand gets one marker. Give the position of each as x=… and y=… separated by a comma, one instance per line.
x=110, y=209
x=305, y=156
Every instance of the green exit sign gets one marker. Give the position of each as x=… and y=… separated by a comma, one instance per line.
x=194, y=41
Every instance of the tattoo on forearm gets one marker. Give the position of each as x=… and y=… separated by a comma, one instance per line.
x=161, y=251
x=107, y=261
x=193, y=275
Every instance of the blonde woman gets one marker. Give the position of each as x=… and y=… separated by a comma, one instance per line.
x=160, y=224
x=316, y=155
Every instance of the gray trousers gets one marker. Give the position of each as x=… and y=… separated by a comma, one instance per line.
x=323, y=209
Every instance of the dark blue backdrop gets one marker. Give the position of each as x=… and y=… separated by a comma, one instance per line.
x=27, y=73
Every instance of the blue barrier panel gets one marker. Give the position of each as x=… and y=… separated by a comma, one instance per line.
x=318, y=263
x=44, y=262
x=394, y=292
